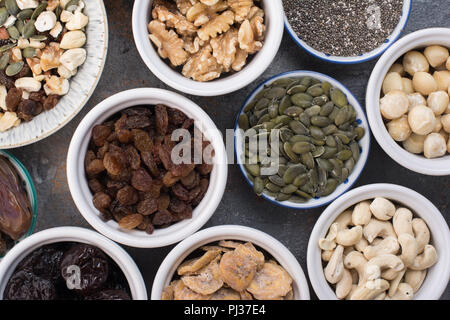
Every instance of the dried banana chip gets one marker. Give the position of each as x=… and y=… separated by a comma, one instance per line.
x=245, y=295
x=226, y=294
x=237, y=270
x=167, y=293
x=270, y=283
x=248, y=251
x=207, y=282
x=194, y=265
x=229, y=244
x=289, y=295
x=209, y=248
x=181, y=292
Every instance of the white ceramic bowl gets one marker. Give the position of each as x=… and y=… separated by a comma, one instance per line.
x=78, y=183
x=417, y=163
x=364, y=142
x=29, y=188
x=82, y=85
x=231, y=232
x=257, y=64
x=355, y=59
x=74, y=234
x=437, y=276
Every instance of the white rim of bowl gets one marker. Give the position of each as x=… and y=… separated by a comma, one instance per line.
x=230, y=232
x=221, y=86
x=391, y=191
x=82, y=196
x=75, y=234
x=88, y=96
x=406, y=10
x=417, y=163
x=359, y=166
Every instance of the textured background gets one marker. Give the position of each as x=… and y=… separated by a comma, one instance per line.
x=46, y=160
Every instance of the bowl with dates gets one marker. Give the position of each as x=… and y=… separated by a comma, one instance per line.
x=147, y=167
x=69, y=263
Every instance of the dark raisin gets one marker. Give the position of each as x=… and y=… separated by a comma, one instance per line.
x=169, y=179
x=180, y=192
x=99, y=134
x=95, y=167
x=142, y=140
x=149, y=161
x=28, y=109
x=185, y=214
x=13, y=99
x=150, y=228
x=145, y=222
x=182, y=169
x=101, y=201
x=123, y=134
x=163, y=202
x=138, y=122
x=127, y=196
x=8, y=82
x=141, y=180
x=188, y=123
x=138, y=111
x=176, y=117
x=50, y=102
x=176, y=205
x=204, y=168
x=134, y=158
x=204, y=184
x=147, y=206
x=162, y=217
x=25, y=72
x=103, y=150
x=161, y=119
x=131, y=221
x=90, y=156
x=38, y=96
x=114, y=162
x=191, y=180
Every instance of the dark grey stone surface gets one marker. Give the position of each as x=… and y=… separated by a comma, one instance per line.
x=124, y=70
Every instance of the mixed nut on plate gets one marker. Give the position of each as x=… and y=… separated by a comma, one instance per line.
x=41, y=49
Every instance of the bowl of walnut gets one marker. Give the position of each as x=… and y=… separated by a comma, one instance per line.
x=52, y=54
x=207, y=47
x=147, y=167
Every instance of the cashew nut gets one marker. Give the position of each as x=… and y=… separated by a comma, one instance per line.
x=29, y=84
x=415, y=278
x=389, y=274
x=389, y=245
x=361, y=214
x=46, y=21
x=395, y=282
x=409, y=248
x=77, y=21
x=402, y=221
x=404, y=292
x=334, y=271
x=382, y=208
x=421, y=233
x=3, y=94
x=353, y=289
x=344, y=286
x=349, y=237
x=27, y=4
x=344, y=220
x=381, y=296
x=328, y=242
x=355, y=260
x=326, y=255
x=73, y=58
x=73, y=39
x=373, y=268
x=370, y=290
x=361, y=245
x=376, y=228
x=425, y=260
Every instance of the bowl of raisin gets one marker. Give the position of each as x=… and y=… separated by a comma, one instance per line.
x=69, y=263
x=147, y=167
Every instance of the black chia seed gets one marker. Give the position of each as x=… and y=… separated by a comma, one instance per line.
x=340, y=27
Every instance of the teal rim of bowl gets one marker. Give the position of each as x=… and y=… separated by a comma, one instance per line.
x=30, y=189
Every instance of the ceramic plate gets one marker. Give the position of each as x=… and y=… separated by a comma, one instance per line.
x=82, y=85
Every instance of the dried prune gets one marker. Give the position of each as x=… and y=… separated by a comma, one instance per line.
x=50, y=102
x=138, y=111
x=13, y=99
x=147, y=206
x=131, y=221
x=127, y=196
x=180, y=192
x=141, y=180
x=25, y=285
x=95, y=167
x=99, y=134
x=161, y=119
x=43, y=262
x=138, y=122
x=176, y=117
x=149, y=161
x=109, y=295
x=114, y=162
x=101, y=201
x=134, y=158
x=142, y=140
x=162, y=217
x=92, y=265
x=28, y=109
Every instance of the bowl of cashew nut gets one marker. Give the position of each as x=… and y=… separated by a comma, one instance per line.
x=380, y=242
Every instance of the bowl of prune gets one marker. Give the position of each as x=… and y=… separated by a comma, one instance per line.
x=147, y=167
x=69, y=263
x=18, y=202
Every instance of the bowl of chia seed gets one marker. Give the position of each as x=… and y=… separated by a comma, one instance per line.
x=346, y=32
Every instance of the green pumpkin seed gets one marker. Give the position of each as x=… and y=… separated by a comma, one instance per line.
x=337, y=163
x=39, y=9
x=306, y=81
x=319, y=151
x=291, y=155
x=258, y=186
x=320, y=121
x=341, y=117
x=349, y=164
x=285, y=134
x=25, y=14
x=261, y=94
x=11, y=6
x=338, y=97
x=308, y=160
x=277, y=180
x=317, y=133
x=39, y=37
x=329, y=141
x=315, y=90
x=299, y=88
x=318, y=142
x=320, y=100
x=293, y=111
x=330, y=129
x=13, y=32
x=4, y=60
x=344, y=139
x=270, y=193
x=282, y=170
x=275, y=93
x=298, y=127
x=345, y=174
x=243, y=119
x=301, y=147
x=292, y=172
x=262, y=103
x=359, y=132
x=14, y=68
x=268, y=125
x=253, y=120
x=326, y=109
x=29, y=29
x=298, y=138
x=283, y=82
x=264, y=118
x=326, y=86
x=324, y=164
x=284, y=104
x=19, y=25
x=313, y=111
x=296, y=199
x=300, y=180
x=7, y=47
x=253, y=169
x=305, y=119
x=249, y=107
x=329, y=188
x=282, y=197
x=313, y=178
x=3, y=15
x=272, y=187
x=303, y=194
x=344, y=155
x=301, y=99
x=273, y=110
x=354, y=147
x=309, y=188
x=329, y=152
x=336, y=173
x=289, y=189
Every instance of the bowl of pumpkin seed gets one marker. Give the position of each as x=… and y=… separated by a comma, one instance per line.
x=301, y=139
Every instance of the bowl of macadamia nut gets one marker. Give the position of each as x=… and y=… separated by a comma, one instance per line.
x=380, y=242
x=407, y=101
x=207, y=47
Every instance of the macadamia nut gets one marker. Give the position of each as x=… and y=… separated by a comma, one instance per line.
x=448, y=146
x=442, y=79
x=421, y=120
x=424, y=83
x=399, y=129
x=414, y=61
x=447, y=64
x=394, y=104
x=445, y=120
x=392, y=81
x=437, y=124
x=438, y=102
x=416, y=99
x=434, y=146
x=397, y=67
x=436, y=55
x=414, y=143
x=407, y=85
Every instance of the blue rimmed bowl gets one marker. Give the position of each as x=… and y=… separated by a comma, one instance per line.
x=29, y=188
x=360, y=58
x=364, y=142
